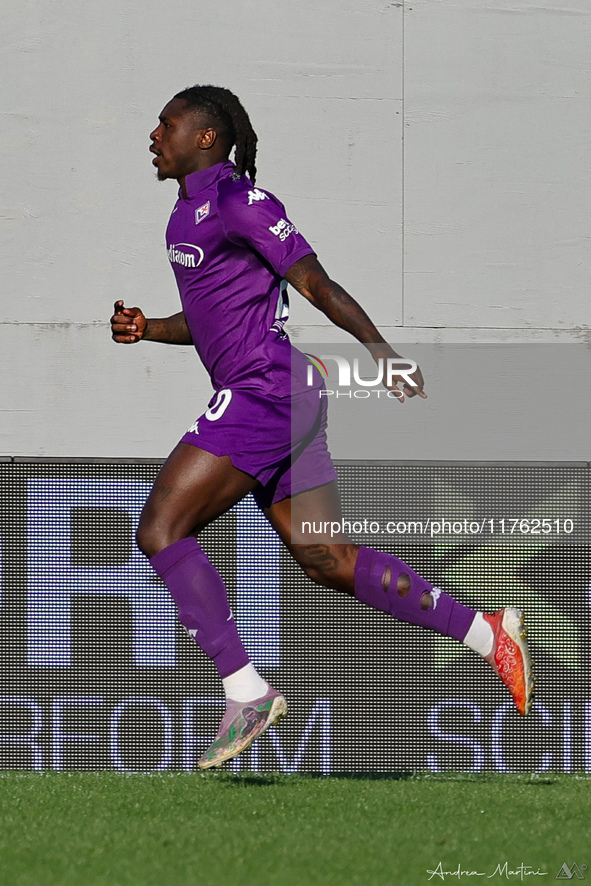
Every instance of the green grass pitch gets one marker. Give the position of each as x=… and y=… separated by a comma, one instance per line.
x=102, y=829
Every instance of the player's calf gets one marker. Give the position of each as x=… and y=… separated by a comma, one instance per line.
x=387, y=583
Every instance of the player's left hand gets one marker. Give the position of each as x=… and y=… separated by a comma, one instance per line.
x=407, y=390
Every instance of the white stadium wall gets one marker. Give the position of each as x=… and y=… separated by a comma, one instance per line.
x=435, y=153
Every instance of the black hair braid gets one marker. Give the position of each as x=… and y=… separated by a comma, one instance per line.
x=227, y=111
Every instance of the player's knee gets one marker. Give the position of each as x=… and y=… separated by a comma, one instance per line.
x=152, y=538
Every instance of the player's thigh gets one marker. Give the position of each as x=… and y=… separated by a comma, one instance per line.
x=299, y=518
x=192, y=489
x=310, y=525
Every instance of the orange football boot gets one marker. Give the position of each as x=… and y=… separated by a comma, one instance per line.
x=509, y=657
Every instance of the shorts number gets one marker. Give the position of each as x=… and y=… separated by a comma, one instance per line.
x=220, y=404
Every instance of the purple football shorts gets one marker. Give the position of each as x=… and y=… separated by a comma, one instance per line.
x=279, y=441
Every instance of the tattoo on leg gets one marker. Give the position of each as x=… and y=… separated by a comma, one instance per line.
x=161, y=492
x=319, y=556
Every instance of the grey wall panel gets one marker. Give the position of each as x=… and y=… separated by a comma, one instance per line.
x=497, y=189
x=82, y=89
x=72, y=392
x=494, y=167
x=82, y=218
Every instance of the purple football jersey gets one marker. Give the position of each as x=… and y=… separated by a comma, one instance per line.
x=229, y=245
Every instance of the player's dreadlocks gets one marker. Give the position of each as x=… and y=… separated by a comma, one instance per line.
x=227, y=111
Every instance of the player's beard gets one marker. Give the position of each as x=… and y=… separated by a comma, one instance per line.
x=162, y=176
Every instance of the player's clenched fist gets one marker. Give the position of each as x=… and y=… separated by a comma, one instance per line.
x=128, y=325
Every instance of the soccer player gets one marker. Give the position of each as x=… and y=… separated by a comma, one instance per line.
x=232, y=247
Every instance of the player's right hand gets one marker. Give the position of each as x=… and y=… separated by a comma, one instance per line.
x=128, y=325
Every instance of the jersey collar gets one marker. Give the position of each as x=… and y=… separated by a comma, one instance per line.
x=198, y=181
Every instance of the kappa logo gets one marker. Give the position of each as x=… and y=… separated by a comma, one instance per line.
x=283, y=229
x=178, y=256
x=202, y=212
x=194, y=429
x=435, y=595
x=567, y=872
x=256, y=196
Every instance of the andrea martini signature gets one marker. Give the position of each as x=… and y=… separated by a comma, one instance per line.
x=501, y=870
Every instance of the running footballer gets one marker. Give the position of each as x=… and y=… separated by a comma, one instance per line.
x=232, y=248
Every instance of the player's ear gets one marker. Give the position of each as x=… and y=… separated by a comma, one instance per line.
x=206, y=138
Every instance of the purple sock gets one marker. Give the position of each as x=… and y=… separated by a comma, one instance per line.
x=418, y=602
x=202, y=601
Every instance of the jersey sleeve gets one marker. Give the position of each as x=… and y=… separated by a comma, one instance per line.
x=258, y=219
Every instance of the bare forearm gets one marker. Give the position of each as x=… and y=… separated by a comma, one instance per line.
x=342, y=310
x=310, y=278
x=169, y=330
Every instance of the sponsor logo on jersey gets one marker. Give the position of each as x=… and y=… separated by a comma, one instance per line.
x=194, y=429
x=177, y=255
x=255, y=196
x=283, y=229
x=202, y=212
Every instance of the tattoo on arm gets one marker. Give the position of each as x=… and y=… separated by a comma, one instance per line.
x=297, y=276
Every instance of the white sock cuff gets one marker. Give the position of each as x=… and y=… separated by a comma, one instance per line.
x=480, y=635
x=245, y=685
